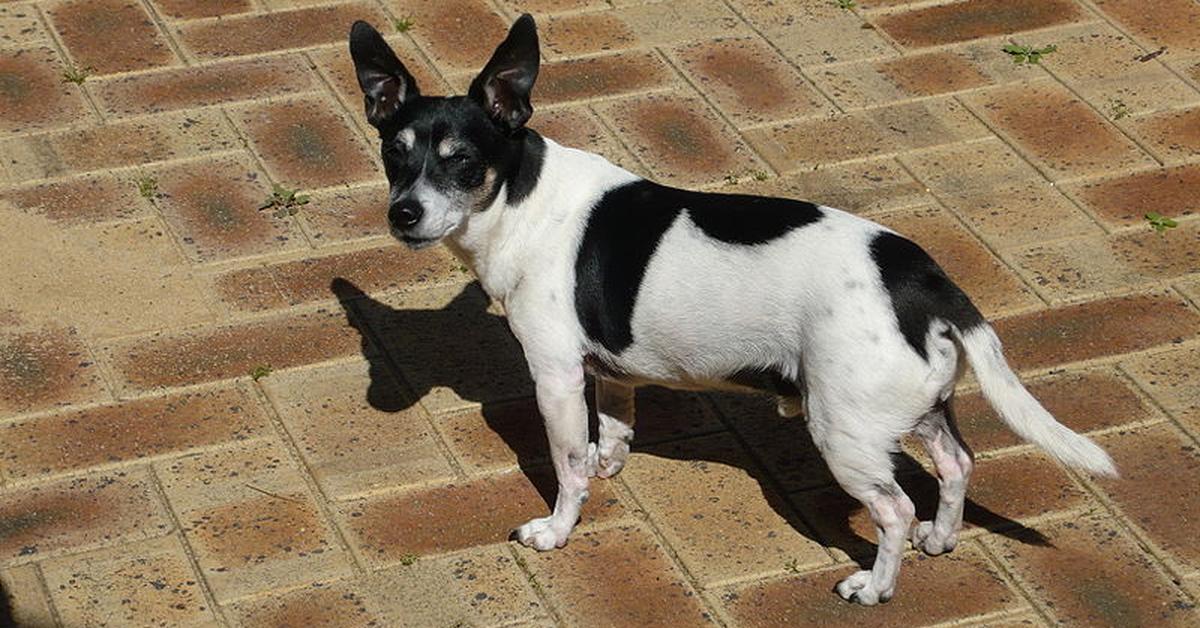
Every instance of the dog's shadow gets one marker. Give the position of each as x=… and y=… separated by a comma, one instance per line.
x=466, y=349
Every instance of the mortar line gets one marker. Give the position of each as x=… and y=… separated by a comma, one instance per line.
x=161, y=24
x=318, y=496
x=44, y=585
x=531, y=579
x=188, y=550
x=788, y=60
x=1016, y=584
x=63, y=53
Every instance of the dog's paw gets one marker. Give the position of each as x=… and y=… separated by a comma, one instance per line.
x=857, y=588
x=541, y=535
x=925, y=540
x=605, y=463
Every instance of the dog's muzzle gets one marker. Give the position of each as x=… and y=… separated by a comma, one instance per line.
x=405, y=214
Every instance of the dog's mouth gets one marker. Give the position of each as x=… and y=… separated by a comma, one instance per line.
x=415, y=243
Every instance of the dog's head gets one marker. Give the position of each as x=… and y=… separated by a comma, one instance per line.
x=446, y=158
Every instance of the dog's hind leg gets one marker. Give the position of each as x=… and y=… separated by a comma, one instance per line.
x=615, y=405
x=561, y=400
x=863, y=467
x=954, y=462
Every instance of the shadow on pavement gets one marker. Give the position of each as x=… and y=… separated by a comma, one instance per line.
x=824, y=514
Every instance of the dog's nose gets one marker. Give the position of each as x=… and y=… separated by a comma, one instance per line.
x=405, y=214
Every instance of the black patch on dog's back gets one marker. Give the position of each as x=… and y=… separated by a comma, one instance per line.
x=624, y=230
x=920, y=290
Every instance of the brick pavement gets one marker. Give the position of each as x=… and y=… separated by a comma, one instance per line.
x=371, y=477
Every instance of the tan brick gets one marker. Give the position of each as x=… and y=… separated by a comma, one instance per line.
x=1124, y=200
x=877, y=132
x=194, y=356
x=90, y=198
x=150, y=583
x=436, y=337
x=303, y=281
x=713, y=507
x=1073, y=268
x=936, y=25
x=88, y=30
x=459, y=35
x=576, y=127
x=200, y=86
x=600, y=77
x=466, y=513
x=1174, y=24
x=25, y=602
x=20, y=26
x=249, y=518
x=992, y=287
x=127, y=431
x=308, y=142
x=45, y=520
x=356, y=430
x=617, y=577
x=637, y=26
x=342, y=604
x=930, y=591
x=1059, y=131
x=1170, y=377
x=552, y=6
x=812, y=32
x=748, y=81
x=281, y=30
x=1095, y=329
x=189, y=9
x=1173, y=136
x=861, y=187
x=214, y=206
x=1088, y=573
x=46, y=367
x=680, y=140
x=1084, y=401
x=343, y=214
x=33, y=95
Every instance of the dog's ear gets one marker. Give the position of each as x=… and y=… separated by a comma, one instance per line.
x=503, y=87
x=385, y=83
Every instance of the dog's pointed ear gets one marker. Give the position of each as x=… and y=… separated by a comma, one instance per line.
x=385, y=82
x=503, y=87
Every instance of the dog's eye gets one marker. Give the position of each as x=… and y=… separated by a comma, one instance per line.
x=458, y=158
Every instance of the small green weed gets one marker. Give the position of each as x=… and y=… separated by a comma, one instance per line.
x=408, y=559
x=844, y=4
x=260, y=371
x=760, y=175
x=1117, y=109
x=404, y=24
x=286, y=202
x=72, y=74
x=1028, y=54
x=147, y=186
x=1159, y=222
x=792, y=565
x=731, y=179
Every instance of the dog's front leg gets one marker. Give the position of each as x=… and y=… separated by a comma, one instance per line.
x=560, y=397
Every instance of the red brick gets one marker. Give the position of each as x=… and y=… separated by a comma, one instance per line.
x=586, y=32
x=749, y=81
x=110, y=35
x=190, y=9
x=196, y=356
x=1160, y=469
x=1095, y=329
x=1169, y=377
x=496, y=436
x=577, y=127
x=680, y=140
x=200, y=86
x=458, y=34
x=76, y=514
x=33, y=94
x=1125, y=200
x=930, y=591
x=347, y=214
x=933, y=73
x=214, y=208
x=308, y=142
x=617, y=577
x=642, y=25
x=1061, y=132
x=46, y=367
x=78, y=201
x=600, y=77
x=339, y=604
x=250, y=34
x=143, y=141
x=859, y=187
x=127, y=431
x=932, y=26
x=1174, y=24
x=1173, y=135
x=1087, y=401
x=463, y=514
x=1087, y=573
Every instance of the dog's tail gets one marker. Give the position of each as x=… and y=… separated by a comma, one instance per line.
x=1020, y=411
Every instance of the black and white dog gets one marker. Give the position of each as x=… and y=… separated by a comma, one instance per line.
x=602, y=271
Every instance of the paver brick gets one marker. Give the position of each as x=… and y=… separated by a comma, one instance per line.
x=96, y=510
x=1174, y=24
x=617, y=577
x=458, y=35
x=638, y=26
x=150, y=583
x=110, y=35
x=281, y=30
x=858, y=187
x=190, y=9
x=811, y=32
x=1168, y=377
x=79, y=200
x=33, y=95
x=1087, y=572
x=1124, y=200
x=936, y=25
x=599, y=77
x=46, y=367
x=340, y=214
x=930, y=591
x=25, y=602
x=20, y=26
x=1172, y=136
x=574, y=126
x=201, y=86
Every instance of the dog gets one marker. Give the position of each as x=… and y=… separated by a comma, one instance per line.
x=601, y=271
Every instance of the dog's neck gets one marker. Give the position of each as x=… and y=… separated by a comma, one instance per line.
x=508, y=238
